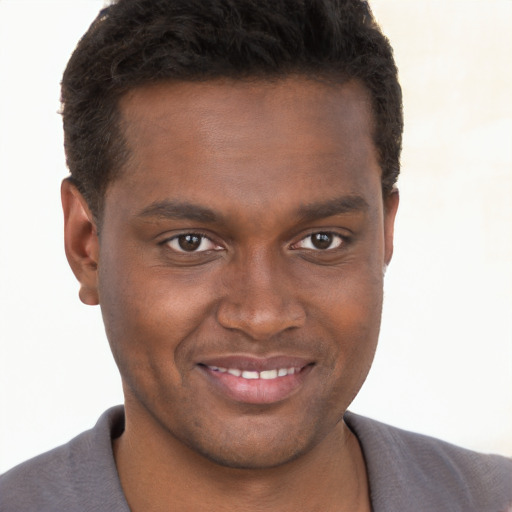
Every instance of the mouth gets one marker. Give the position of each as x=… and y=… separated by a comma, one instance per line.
x=253, y=375
x=256, y=381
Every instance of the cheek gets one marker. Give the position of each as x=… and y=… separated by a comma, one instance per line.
x=148, y=313
x=359, y=310
x=349, y=297
x=349, y=314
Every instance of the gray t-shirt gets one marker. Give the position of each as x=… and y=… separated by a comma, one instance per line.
x=407, y=473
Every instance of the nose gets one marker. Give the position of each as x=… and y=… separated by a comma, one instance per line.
x=260, y=299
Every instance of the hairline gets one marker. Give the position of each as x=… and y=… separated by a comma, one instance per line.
x=119, y=123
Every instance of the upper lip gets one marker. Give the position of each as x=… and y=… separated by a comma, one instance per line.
x=256, y=364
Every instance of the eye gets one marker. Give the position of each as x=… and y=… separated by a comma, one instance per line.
x=320, y=241
x=192, y=243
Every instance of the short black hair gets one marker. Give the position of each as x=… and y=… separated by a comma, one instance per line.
x=136, y=42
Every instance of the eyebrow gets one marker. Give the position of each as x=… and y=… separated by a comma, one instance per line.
x=336, y=206
x=168, y=209
x=178, y=210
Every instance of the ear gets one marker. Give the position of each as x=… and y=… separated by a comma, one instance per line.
x=81, y=242
x=390, y=208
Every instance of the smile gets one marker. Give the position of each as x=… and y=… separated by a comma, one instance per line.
x=251, y=375
x=256, y=381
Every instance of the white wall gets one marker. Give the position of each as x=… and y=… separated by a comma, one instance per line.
x=444, y=365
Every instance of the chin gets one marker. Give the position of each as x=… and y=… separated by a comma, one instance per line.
x=256, y=447
x=251, y=458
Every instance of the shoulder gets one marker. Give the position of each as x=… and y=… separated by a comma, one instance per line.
x=80, y=475
x=413, y=470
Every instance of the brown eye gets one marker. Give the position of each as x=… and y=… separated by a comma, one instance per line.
x=322, y=241
x=191, y=243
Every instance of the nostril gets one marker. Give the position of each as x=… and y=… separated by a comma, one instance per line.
x=260, y=319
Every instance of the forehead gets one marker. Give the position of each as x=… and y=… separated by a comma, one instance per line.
x=248, y=139
x=272, y=110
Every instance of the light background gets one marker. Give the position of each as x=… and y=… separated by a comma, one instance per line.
x=444, y=365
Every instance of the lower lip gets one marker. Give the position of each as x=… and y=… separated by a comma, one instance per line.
x=256, y=391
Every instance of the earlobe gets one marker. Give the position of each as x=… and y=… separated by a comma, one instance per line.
x=390, y=208
x=81, y=242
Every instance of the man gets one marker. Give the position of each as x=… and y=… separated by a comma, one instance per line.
x=231, y=208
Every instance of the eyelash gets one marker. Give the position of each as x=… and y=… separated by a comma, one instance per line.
x=342, y=240
x=202, y=238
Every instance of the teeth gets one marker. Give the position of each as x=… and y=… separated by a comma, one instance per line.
x=251, y=375
x=268, y=374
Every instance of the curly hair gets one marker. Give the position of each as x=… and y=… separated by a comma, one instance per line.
x=136, y=42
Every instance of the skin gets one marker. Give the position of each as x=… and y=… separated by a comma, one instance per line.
x=255, y=170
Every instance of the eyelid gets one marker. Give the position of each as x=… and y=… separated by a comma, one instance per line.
x=342, y=240
x=203, y=236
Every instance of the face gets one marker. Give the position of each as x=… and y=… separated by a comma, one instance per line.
x=241, y=263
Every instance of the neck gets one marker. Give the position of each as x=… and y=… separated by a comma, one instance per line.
x=159, y=473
